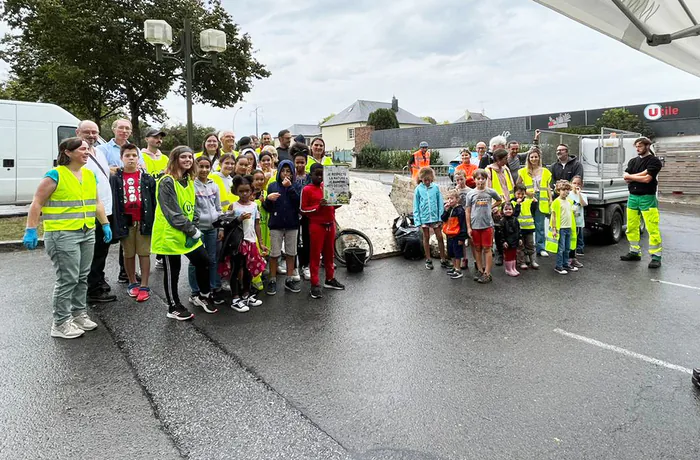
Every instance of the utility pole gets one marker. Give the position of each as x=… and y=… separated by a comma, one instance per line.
x=257, y=107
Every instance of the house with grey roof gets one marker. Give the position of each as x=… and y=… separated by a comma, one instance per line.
x=471, y=116
x=308, y=131
x=339, y=131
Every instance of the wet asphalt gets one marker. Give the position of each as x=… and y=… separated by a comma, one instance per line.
x=404, y=364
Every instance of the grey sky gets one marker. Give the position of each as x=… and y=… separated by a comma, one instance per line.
x=511, y=57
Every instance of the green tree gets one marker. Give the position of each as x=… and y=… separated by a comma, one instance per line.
x=90, y=57
x=325, y=119
x=177, y=135
x=430, y=120
x=383, y=119
x=625, y=120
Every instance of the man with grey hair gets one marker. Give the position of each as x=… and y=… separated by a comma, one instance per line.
x=98, y=289
x=228, y=142
x=122, y=131
x=496, y=143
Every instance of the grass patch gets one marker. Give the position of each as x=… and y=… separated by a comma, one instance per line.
x=12, y=228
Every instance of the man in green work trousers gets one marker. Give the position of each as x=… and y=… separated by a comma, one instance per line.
x=640, y=176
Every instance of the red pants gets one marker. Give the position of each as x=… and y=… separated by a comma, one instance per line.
x=322, y=237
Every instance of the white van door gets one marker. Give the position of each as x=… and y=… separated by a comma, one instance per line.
x=8, y=153
x=36, y=144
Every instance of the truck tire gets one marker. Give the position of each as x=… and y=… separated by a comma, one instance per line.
x=614, y=230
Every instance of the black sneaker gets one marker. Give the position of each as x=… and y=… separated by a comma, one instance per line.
x=456, y=274
x=445, y=264
x=180, y=313
x=271, y=287
x=655, y=263
x=485, y=279
x=478, y=275
x=104, y=287
x=207, y=304
x=217, y=297
x=579, y=253
x=333, y=284
x=123, y=279
x=631, y=257
x=450, y=271
x=428, y=264
x=101, y=297
x=696, y=378
x=316, y=292
x=292, y=286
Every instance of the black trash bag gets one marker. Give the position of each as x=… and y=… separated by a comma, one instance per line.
x=408, y=237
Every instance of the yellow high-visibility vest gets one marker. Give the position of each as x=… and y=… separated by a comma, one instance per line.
x=166, y=239
x=544, y=187
x=73, y=205
x=552, y=242
x=496, y=184
x=525, y=219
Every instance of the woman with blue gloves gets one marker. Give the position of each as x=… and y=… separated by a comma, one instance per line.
x=67, y=198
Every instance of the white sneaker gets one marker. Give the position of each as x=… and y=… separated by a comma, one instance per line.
x=67, y=330
x=307, y=273
x=544, y=254
x=240, y=305
x=252, y=301
x=295, y=275
x=83, y=321
x=281, y=270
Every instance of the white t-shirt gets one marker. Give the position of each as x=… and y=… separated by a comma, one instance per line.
x=249, y=224
x=102, y=172
x=579, y=202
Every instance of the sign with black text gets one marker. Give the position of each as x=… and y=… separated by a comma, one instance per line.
x=336, y=185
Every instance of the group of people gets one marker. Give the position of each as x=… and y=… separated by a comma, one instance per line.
x=512, y=203
x=233, y=209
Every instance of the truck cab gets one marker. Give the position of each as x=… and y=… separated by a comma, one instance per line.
x=29, y=136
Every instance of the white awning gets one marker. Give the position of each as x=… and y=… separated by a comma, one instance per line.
x=664, y=29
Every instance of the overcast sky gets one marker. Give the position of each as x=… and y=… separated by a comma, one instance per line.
x=509, y=57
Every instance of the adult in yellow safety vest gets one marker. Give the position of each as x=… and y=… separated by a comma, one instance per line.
x=537, y=181
x=153, y=160
x=419, y=159
x=501, y=181
x=228, y=142
x=67, y=197
x=561, y=234
x=318, y=154
x=175, y=233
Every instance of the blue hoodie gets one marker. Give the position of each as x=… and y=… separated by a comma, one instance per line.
x=284, y=212
x=427, y=204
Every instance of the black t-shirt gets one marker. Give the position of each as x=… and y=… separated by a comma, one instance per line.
x=283, y=154
x=652, y=165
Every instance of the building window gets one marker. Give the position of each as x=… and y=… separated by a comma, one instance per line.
x=351, y=134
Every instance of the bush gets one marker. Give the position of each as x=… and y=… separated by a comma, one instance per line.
x=372, y=157
x=383, y=119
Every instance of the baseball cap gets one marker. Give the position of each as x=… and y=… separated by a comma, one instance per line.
x=155, y=132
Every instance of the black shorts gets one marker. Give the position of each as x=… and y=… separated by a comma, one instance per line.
x=454, y=249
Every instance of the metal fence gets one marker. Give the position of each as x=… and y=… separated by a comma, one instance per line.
x=442, y=176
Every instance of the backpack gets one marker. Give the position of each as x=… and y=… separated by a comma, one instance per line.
x=408, y=237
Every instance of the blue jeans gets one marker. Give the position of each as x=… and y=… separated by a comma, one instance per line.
x=579, y=238
x=539, y=228
x=71, y=253
x=209, y=241
x=563, y=249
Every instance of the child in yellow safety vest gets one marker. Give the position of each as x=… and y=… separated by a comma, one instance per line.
x=523, y=209
x=561, y=237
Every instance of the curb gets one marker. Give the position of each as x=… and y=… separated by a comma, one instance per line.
x=14, y=214
x=16, y=245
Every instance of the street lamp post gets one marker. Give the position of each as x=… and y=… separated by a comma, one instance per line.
x=159, y=33
x=234, y=118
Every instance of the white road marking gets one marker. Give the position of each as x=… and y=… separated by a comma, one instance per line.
x=624, y=351
x=676, y=284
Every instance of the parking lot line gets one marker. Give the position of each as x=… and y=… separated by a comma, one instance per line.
x=624, y=351
x=676, y=284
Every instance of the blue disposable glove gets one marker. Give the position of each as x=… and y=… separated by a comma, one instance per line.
x=107, y=230
x=189, y=241
x=31, y=239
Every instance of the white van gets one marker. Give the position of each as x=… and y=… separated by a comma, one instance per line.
x=29, y=136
